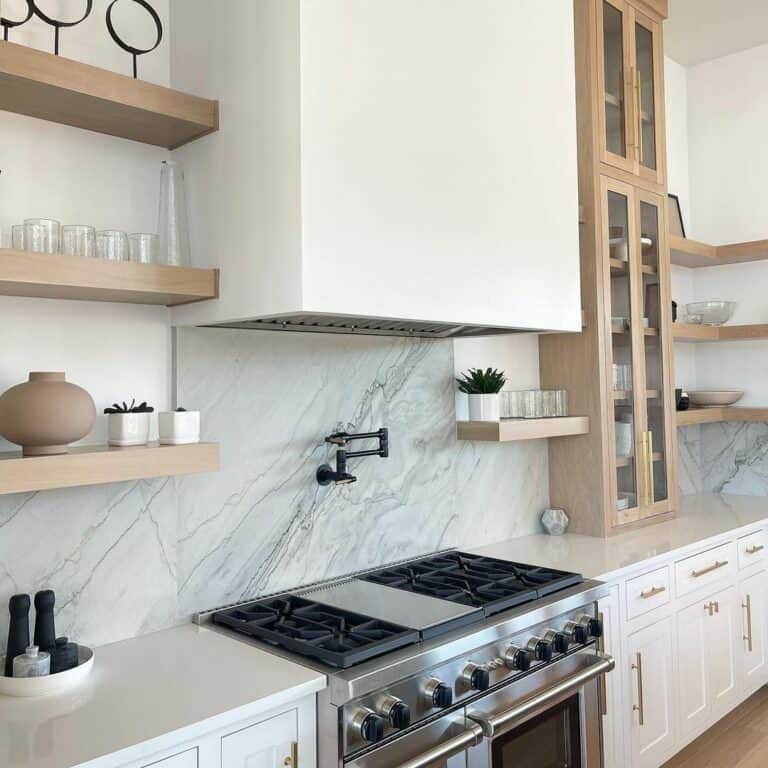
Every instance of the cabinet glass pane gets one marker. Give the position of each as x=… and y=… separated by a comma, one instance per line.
x=621, y=313
x=613, y=45
x=647, y=105
x=653, y=343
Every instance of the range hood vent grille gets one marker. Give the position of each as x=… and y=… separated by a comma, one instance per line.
x=367, y=326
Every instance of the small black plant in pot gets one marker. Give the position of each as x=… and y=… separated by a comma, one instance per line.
x=482, y=388
x=179, y=427
x=129, y=424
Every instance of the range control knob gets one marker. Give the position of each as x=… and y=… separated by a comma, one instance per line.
x=438, y=694
x=517, y=658
x=540, y=649
x=367, y=725
x=585, y=629
x=579, y=632
x=595, y=627
x=476, y=677
x=560, y=641
x=396, y=711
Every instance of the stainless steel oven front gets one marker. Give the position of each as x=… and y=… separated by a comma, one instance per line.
x=549, y=719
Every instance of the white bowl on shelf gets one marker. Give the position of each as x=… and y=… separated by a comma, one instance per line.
x=28, y=687
x=710, y=312
x=708, y=398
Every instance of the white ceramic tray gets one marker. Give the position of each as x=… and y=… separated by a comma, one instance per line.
x=42, y=686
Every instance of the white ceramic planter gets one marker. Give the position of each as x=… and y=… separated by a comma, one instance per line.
x=484, y=407
x=179, y=427
x=462, y=406
x=128, y=428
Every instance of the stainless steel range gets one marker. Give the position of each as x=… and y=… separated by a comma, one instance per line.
x=450, y=660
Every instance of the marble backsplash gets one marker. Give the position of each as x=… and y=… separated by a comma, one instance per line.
x=131, y=558
x=724, y=458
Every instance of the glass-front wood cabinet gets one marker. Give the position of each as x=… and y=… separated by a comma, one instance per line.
x=637, y=304
x=630, y=84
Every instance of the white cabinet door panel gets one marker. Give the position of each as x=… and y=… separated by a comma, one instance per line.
x=613, y=742
x=652, y=694
x=754, y=631
x=691, y=643
x=721, y=652
x=264, y=745
x=186, y=759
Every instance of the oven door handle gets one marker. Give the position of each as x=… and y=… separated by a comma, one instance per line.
x=442, y=752
x=498, y=724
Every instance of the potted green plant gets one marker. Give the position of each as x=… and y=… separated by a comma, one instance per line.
x=128, y=424
x=179, y=427
x=482, y=388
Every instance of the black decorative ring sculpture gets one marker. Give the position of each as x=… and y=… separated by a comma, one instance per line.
x=135, y=52
x=57, y=24
x=7, y=24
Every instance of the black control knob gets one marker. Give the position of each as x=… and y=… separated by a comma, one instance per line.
x=595, y=627
x=476, y=677
x=372, y=728
x=438, y=694
x=560, y=642
x=541, y=650
x=400, y=715
x=518, y=658
x=581, y=634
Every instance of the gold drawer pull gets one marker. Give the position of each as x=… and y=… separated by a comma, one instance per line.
x=704, y=571
x=292, y=760
x=754, y=549
x=747, y=605
x=652, y=592
x=639, y=707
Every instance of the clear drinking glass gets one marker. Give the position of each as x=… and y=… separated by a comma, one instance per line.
x=144, y=248
x=78, y=240
x=172, y=219
x=41, y=235
x=17, y=237
x=112, y=245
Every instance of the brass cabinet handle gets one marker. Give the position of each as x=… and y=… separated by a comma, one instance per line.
x=292, y=760
x=704, y=571
x=713, y=607
x=652, y=592
x=638, y=85
x=639, y=708
x=754, y=549
x=644, y=457
x=651, y=493
x=747, y=604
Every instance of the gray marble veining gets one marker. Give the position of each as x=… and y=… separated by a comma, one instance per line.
x=130, y=558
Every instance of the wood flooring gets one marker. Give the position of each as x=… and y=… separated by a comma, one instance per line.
x=739, y=740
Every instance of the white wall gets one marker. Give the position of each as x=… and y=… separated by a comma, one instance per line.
x=114, y=351
x=676, y=104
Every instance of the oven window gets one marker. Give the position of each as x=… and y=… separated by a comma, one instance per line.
x=551, y=740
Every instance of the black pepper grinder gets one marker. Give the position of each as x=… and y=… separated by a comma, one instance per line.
x=64, y=656
x=18, y=630
x=45, y=633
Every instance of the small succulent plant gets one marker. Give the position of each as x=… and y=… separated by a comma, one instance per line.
x=181, y=410
x=132, y=408
x=481, y=382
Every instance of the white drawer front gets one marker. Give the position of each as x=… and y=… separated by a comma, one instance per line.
x=705, y=568
x=752, y=549
x=186, y=759
x=649, y=591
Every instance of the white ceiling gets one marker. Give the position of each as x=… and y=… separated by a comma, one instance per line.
x=700, y=30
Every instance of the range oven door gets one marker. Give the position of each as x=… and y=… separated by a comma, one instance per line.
x=550, y=719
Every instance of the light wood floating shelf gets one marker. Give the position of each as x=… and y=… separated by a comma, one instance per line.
x=729, y=415
x=646, y=331
x=60, y=90
x=49, y=276
x=692, y=253
x=98, y=464
x=691, y=332
x=508, y=430
x=619, y=267
x=626, y=394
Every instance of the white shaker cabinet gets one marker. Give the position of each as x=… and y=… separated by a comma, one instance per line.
x=611, y=691
x=269, y=744
x=649, y=662
x=186, y=759
x=384, y=159
x=754, y=631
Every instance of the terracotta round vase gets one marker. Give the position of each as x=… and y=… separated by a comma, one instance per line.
x=46, y=413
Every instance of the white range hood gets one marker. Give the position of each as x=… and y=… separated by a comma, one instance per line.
x=384, y=166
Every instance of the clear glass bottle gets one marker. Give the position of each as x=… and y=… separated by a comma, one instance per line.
x=32, y=663
x=173, y=226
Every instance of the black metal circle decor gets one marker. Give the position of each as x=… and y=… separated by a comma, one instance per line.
x=135, y=52
x=7, y=24
x=57, y=24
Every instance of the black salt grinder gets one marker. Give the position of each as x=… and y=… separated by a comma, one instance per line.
x=18, y=630
x=64, y=656
x=45, y=633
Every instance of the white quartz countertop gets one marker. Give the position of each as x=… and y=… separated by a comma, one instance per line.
x=187, y=681
x=701, y=518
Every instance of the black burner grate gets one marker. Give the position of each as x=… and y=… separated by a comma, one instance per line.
x=494, y=585
x=336, y=637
